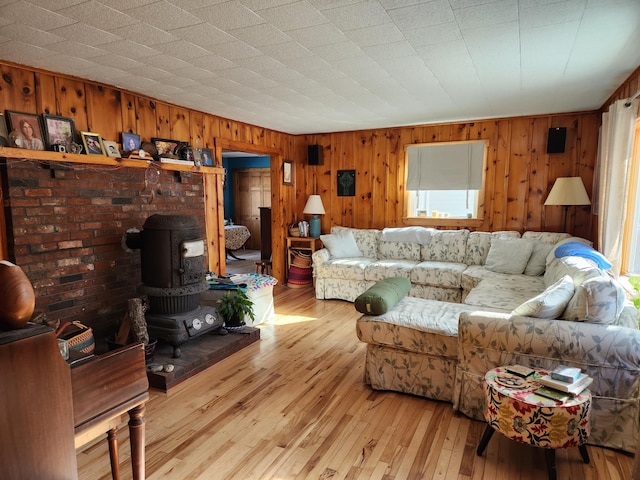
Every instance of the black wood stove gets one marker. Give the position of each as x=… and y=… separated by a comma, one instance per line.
x=173, y=277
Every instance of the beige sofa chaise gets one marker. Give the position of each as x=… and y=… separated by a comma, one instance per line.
x=464, y=316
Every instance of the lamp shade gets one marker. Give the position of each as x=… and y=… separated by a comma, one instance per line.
x=314, y=206
x=568, y=191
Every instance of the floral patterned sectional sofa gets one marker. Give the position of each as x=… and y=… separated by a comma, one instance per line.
x=480, y=300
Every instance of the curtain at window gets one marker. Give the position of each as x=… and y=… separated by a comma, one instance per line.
x=613, y=173
x=445, y=167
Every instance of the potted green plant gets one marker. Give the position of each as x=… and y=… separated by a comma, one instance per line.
x=235, y=307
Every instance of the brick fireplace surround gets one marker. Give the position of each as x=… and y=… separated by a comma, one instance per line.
x=65, y=225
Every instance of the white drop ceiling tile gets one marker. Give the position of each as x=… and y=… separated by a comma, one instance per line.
x=338, y=51
x=257, y=5
x=110, y=73
x=182, y=49
x=123, y=5
x=206, y=91
x=17, y=51
x=117, y=61
x=163, y=15
x=546, y=49
x=293, y=16
x=170, y=64
x=324, y=34
x=154, y=73
x=203, y=34
x=179, y=81
x=235, y=50
x=80, y=50
x=448, y=51
x=249, y=79
x=375, y=35
x=390, y=4
x=285, y=52
x=502, y=11
x=474, y=3
x=551, y=14
x=409, y=66
x=390, y=50
x=129, y=49
x=144, y=34
x=282, y=75
x=53, y=6
x=229, y=15
x=200, y=74
x=82, y=33
x=98, y=15
x=259, y=64
x=360, y=15
x=433, y=34
x=37, y=37
x=417, y=16
x=260, y=35
x=190, y=5
x=34, y=16
x=328, y=4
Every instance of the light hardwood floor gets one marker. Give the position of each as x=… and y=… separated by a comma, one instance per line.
x=293, y=406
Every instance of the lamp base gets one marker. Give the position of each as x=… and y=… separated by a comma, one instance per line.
x=314, y=226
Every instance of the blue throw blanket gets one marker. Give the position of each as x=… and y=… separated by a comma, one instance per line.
x=579, y=249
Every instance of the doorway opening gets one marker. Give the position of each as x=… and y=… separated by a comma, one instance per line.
x=247, y=189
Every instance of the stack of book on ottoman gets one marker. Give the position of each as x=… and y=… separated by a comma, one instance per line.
x=563, y=382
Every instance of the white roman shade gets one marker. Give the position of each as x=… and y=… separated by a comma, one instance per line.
x=450, y=166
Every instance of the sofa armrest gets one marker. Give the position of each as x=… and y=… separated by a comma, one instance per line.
x=608, y=353
x=318, y=258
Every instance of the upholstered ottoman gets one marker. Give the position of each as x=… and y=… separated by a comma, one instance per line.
x=413, y=348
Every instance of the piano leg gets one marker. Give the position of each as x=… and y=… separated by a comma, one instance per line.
x=137, y=439
x=112, y=438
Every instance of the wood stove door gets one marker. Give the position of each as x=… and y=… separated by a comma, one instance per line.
x=193, y=266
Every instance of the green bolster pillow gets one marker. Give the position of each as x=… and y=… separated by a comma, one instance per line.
x=383, y=296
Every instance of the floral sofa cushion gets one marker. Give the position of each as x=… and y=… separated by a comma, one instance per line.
x=446, y=246
x=344, y=268
x=505, y=293
x=381, y=269
x=479, y=243
x=399, y=250
x=441, y=274
x=366, y=239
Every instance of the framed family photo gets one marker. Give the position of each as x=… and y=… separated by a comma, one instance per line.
x=111, y=148
x=130, y=141
x=207, y=157
x=58, y=130
x=165, y=146
x=4, y=135
x=287, y=173
x=28, y=130
x=92, y=143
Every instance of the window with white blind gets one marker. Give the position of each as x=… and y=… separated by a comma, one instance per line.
x=445, y=179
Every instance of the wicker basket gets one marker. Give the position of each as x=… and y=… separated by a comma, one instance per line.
x=294, y=230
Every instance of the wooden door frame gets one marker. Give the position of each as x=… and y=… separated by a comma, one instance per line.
x=278, y=229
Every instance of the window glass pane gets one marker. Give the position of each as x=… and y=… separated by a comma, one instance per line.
x=445, y=203
x=634, y=246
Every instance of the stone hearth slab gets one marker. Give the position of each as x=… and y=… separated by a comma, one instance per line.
x=197, y=355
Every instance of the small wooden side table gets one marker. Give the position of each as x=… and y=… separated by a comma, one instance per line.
x=521, y=415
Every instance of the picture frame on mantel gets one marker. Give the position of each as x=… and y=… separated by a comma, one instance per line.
x=287, y=172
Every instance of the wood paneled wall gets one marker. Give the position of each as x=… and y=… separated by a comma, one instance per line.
x=109, y=111
x=519, y=173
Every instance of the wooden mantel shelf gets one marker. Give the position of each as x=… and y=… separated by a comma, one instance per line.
x=45, y=155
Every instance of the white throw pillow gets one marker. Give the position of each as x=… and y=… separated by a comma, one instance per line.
x=538, y=261
x=341, y=245
x=550, y=303
x=508, y=256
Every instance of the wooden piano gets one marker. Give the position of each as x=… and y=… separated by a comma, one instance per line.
x=50, y=407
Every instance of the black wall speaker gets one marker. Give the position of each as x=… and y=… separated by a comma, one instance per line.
x=556, y=139
x=314, y=154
